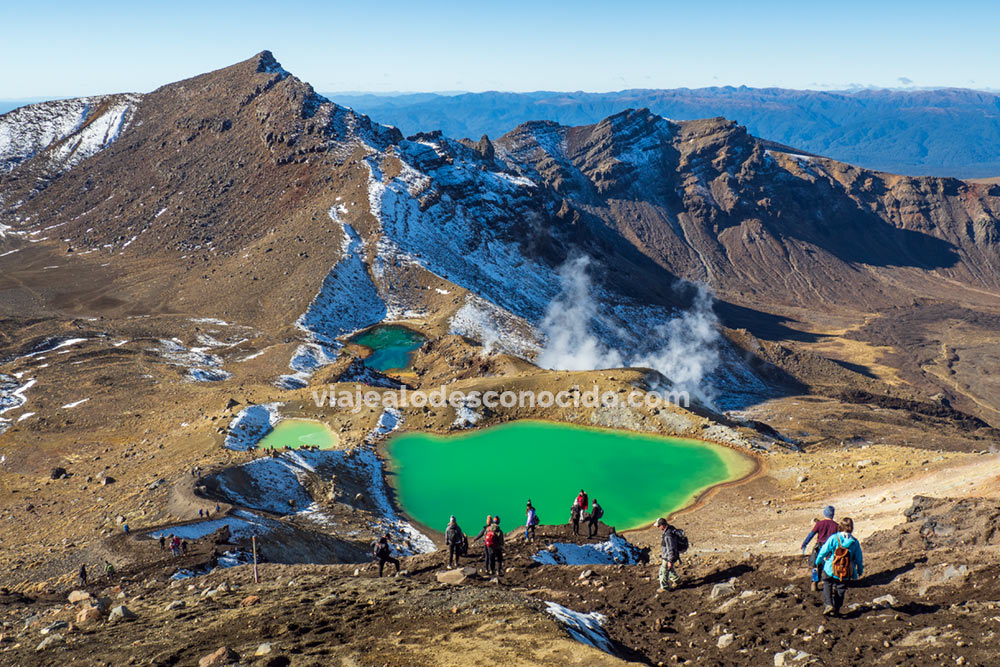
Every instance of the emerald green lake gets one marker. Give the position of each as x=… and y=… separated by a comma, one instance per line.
x=392, y=346
x=297, y=432
x=635, y=477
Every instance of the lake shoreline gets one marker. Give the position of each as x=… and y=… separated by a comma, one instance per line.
x=741, y=466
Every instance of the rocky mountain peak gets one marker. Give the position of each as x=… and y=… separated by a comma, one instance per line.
x=266, y=62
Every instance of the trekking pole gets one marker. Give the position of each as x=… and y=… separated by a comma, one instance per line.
x=253, y=540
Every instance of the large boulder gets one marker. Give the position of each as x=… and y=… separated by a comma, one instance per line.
x=722, y=590
x=78, y=596
x=222, y=656
x=88, y=614
x=120, y=613
x=457, y=576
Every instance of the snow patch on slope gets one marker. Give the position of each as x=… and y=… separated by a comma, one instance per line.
x=268, y=484
x=12, y=396
x=201, y=366
x=615, y=550
x=494, y=328
x=585, y=628
x=347, y=301
x=72, y=129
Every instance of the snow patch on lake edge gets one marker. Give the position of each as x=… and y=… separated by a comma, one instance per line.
x=278, y=479
x=585, y=628
x=251, y=425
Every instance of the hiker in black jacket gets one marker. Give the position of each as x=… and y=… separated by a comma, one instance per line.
x=454, y=537
x=381, y=552
x=670, y=554
x=596, y=512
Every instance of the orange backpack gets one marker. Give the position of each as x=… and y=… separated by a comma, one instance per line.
x=842, y=566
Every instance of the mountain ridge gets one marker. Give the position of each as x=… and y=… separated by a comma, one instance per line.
x=652, y=200
x=942, y=132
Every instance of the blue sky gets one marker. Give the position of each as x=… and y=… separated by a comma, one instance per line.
x=62, y=48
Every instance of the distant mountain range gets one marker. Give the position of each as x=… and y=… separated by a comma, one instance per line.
x=945, y=132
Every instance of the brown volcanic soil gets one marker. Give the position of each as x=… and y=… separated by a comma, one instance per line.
x=329, y=615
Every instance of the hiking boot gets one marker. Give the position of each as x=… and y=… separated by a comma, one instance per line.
x=828, y=610
x=661, y=589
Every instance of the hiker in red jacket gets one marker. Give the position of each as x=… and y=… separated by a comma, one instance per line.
x=582, y=500
x=822, y=530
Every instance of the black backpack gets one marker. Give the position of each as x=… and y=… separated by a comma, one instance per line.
x=599, y=512
x=681, y=539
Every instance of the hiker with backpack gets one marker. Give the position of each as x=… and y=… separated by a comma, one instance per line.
x=575, y=512
x=493, y=539
x=482, y=536
x=381, y=551
x=673, y=542
x=453, y=536
x=596, y=512
x=531, y=520
x=822, y=530
x=842, y=562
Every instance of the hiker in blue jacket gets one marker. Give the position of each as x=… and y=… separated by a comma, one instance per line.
x=842, y=562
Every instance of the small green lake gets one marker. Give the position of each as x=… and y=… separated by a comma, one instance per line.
x=392, y=346
x=635, y=477
x=295, y=433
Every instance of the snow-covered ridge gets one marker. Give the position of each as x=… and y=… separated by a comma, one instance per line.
x=71, y=130
x=347, y=301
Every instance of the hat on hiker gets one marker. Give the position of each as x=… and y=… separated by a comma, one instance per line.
x=828, y=511
x=496, y=520
x=452, y=519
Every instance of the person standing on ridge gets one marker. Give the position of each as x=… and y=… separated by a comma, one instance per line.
x=482, y=536
x=453, y=536
x=842, y=562
x=381, y=552
x=82, y=575
x=822, y=530
x=574, y=517
x=495, y=536
x=531, y=520
x=673, y=542
x=596, y=512
x=582, y=500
